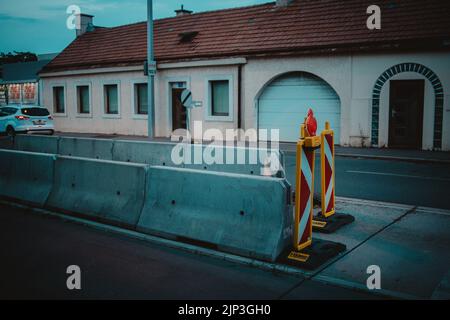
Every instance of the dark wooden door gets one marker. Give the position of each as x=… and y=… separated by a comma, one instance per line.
x=178, y=110
x=406, y=113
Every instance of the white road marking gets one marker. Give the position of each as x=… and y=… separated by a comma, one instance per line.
x=399, y=175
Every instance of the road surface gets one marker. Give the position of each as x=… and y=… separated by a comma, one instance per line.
x=421, y=184
x=35, y=251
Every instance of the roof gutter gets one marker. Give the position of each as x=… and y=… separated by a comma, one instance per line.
x=89, y=71
x=18, y=81
x=203, y=63
x=160, y=66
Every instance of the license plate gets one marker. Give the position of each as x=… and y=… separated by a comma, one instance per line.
x=39, y=122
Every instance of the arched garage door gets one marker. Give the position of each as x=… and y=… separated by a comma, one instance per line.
x=284, y=103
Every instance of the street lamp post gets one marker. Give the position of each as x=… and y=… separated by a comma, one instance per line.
x=151, y=66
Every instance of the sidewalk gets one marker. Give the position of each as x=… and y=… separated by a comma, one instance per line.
x=409, y=244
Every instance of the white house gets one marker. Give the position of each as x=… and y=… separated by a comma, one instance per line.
x=262, y=67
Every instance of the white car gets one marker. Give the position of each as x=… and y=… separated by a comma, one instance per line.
x=25, y=119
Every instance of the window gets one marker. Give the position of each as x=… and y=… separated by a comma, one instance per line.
x=141, y=98
x=220, y=98
x=111, y=99
x=58, y=100
x=35, y=112
x=83, y=100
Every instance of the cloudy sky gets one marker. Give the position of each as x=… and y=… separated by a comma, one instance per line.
x=40, y=25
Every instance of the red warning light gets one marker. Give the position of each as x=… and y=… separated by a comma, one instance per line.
x=311, y=124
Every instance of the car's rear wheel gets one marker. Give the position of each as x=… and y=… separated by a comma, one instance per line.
x=10, y=131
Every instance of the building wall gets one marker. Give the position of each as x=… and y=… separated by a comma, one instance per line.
x=366, y=70
x=258, y=73
x=352, y=77
x=128, y=122
x=96, y=122
x=197, y=81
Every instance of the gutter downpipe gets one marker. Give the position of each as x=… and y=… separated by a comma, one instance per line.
x=239, y=97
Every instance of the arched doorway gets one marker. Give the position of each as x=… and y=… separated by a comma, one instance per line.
x=438, y=104
x=284, y=102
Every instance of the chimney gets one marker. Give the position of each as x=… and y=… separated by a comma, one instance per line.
x=86, y=23
x=182, y=11
x=283, y=3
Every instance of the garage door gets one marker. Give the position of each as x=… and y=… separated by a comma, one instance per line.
x=284, y=104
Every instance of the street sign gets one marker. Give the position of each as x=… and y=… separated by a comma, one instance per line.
x=150, y=68
x=186, y=98
x=197, y=104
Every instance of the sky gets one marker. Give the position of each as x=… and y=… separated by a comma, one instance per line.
x=39, y=26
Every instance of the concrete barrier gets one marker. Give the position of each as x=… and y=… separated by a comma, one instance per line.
x=108, y=191
x=86, y=148
x=151, y=153
x=36, y=143
x=241, y=214
x=249, y=161
x=237, y=213
x=243, y=160
x=26, y=176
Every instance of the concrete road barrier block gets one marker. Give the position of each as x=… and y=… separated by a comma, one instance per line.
x=36, y=143
x=151, y=153
x=201, y=157
x=240, y=160
x=250, y=161
x=241, y=214
x=86, y=148
x=109, y=191
x=26, y=176
x=231, y=159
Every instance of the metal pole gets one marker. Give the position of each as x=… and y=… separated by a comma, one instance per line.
x=151, y=75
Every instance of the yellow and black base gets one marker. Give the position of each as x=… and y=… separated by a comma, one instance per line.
x=331, y=224
x=312, y=257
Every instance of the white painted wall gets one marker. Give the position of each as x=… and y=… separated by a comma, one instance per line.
x=97, y=122
x=366, y=70
x=196, y=79
x=352, y=77
x=128, y=122
x=335, y=70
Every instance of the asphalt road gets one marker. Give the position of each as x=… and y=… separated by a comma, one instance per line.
x=421, y=184
x=35, y=251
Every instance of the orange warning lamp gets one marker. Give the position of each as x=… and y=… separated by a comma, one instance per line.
x=309, y=131
x=311, y=124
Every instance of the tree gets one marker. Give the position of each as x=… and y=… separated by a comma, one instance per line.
x=17, y=56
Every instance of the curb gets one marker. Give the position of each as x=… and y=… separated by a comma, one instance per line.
x=376, y=203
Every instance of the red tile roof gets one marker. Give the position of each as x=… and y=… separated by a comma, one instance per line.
x=304, y=25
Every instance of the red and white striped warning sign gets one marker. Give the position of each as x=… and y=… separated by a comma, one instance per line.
x=327, y=164
x=304, y=196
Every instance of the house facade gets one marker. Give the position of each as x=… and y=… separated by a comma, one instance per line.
x=262, y=67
